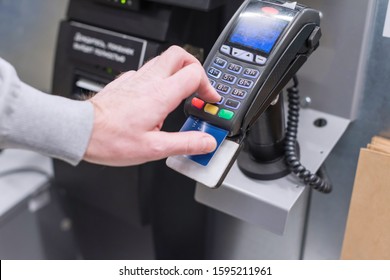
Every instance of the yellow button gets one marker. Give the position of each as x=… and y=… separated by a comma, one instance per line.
x=211, y=109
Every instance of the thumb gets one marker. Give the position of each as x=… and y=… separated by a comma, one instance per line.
x=182, y=143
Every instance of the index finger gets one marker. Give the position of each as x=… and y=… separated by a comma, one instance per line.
x=185, y=82
x=171, y=61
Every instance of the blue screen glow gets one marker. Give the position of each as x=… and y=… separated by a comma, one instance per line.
x=257, y=32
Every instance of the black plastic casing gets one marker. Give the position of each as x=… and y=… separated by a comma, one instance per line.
x=287, y=56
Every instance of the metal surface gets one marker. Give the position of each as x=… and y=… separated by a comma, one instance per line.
x=334, y=75
x=236, y=239
x=268, y=203
x=328, y=214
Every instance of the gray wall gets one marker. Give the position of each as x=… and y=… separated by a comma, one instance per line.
x=28, y=32
x=334, y=75
x=329, y=213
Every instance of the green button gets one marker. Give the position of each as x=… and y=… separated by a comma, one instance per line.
x=226, y=114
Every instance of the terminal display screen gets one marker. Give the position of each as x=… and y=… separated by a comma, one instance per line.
x=259, y=28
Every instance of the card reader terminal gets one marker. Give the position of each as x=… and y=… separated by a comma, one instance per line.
x=261, y=48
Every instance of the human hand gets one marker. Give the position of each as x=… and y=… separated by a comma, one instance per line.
x=130, y=111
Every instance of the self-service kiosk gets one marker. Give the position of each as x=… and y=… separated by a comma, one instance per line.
x=146, y=211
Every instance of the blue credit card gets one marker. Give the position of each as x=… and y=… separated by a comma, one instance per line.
x=194, y=124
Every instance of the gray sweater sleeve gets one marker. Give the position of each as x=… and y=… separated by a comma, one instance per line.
x=50, y=125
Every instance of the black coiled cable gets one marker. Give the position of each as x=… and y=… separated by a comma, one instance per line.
x=292, y=159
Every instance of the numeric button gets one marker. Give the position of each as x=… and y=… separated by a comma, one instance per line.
x=232, y=104
x=220, y=62
x=224, y=89
x=212, y=82
x=252, y=73
x=220, y=101
x=234, y=68
x=239, y=93
x=229, y=78
x=214, y=72
x=245, y=83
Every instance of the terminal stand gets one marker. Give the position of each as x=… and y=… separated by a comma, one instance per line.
x=263, y=155
x=270, y=204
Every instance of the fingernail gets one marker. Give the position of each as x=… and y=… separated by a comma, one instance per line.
x=208, y=144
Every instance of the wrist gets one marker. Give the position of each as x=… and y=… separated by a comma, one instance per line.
x=95, y=140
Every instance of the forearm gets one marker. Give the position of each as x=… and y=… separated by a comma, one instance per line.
x=51, y=125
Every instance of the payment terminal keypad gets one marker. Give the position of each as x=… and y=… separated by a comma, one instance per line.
x=232, y=81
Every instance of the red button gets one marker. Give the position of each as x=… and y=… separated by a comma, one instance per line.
x=270, y=10
x=197, y=103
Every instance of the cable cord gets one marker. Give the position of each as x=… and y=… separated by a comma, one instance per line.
x=292, y=159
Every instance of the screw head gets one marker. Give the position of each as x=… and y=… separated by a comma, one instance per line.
x=306, y=102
